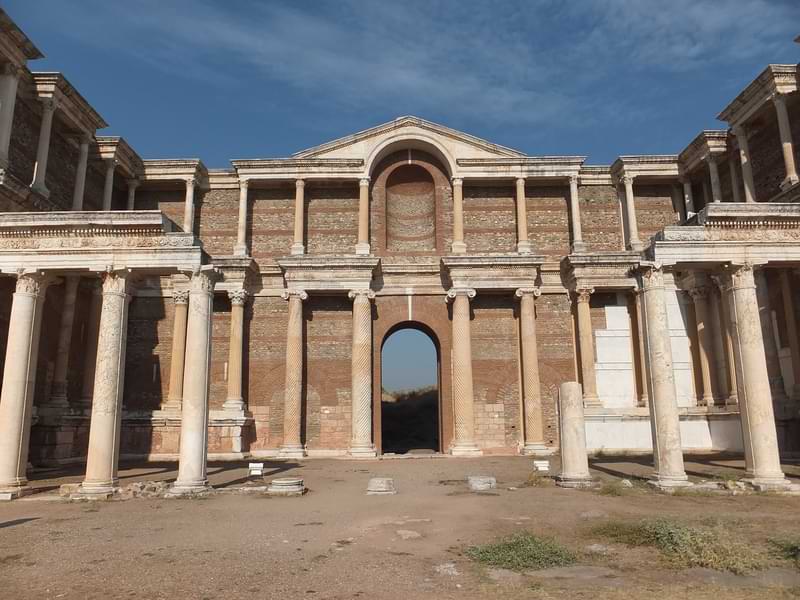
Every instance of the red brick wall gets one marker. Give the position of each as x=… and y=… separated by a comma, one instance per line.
x=600, y=217
x=654, y=209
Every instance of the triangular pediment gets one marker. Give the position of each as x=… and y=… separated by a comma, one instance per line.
x=363, y=144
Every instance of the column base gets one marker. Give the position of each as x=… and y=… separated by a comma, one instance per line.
x=100, y=490
x=240, y=250
x=574, y=481
x=14, y=491
x=458, y=248
x=234, y=405
x=670, y=482
x=362, y=249
x=292, y=451
x=524, y=247
x=363, y=452
x=636, y=246
x=297, y=250
x=591, y=400
x=788, y=183
x=465, y=449
x=776, y=483
x=190, y=488
x=579, y=247
x=536, y=449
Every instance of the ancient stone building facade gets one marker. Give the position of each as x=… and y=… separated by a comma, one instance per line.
x=159, y=309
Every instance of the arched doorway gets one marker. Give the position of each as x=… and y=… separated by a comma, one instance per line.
x=410, y=407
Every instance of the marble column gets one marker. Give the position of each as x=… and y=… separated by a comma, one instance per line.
x=240, y=249
x=102, y=460
x=92, y=334
x=776, y=387
x=719, y=342
x=713, y=173
x=574, y=461
x=664, y=416
x=747, y=168
x=192, y=472
x=676, y=195
x=133, y=184
x=298, y=247
x=578, y=245
x=174, y=401
x=463, y=395
x=235, y=400
x=58, y=392
x=9, y=80
x=633, y=227
x=705, y=349
x=19, y=382
x=688, y=198
x=785, y=130
x=188, y=206
x=292, y=446
x=458, y=246
x=755, y=401
x=736, y=187
x=361, y=445
x=644, y=398
x=523, y=243
x=791, y=329
x=362, y=246
x=586, y=346
x=725, y=314
x=108, y=187
x=49, y=106
x=531, y=388
x=80, y=172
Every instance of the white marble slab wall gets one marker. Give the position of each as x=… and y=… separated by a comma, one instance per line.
x=680, y=321
x=614, y=360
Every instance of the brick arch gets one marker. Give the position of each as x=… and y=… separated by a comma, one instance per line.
x=442, y=193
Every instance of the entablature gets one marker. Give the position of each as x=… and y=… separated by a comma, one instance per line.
x=707, y=144
x=328, y=273
x=179, y=169
x=292, y=168
x=654, y=167
x=774, y=79
x=493, y=272
x=600, y=271
x=117, y=149
x=73, y=108
x=15, y=46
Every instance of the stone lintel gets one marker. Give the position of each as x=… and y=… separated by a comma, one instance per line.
x=328, y=273
x=72, y=107
x=655, y=166
x=237, y=272
x=595, y=175
x=707, y=142
x=773, y=79
x=116, y=148
x=606, y=271
x=179, y=169
x=504, y=272
x=534, y=167
x=295, y=168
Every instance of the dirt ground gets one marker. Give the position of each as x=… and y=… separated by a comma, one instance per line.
x=337, y=542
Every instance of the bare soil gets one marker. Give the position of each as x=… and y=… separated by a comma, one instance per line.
x=337, y=542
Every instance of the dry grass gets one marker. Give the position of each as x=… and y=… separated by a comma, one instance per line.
x=522, y=551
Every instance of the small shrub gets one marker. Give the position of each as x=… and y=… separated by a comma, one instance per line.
x=522, y=551
x=707, y=546
x=787, y=549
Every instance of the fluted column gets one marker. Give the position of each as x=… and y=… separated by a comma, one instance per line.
x=361, y=445
x=785, y=129
x=108, y=187
x=80, y=173
x=578, y=245
x=463, y=396
x=240, y=249
x=298, y=247
x=19, y=382
x=755, y=401
x=192, y=472
x=523, y=243
x=235, y=401
x=459, y=246
x=92, y=333
x=58, y=393
x=630, y=210
x=188, y=206
x=9, y=80
x=49, y=106
x=133, y=184
x=791, y=329
x=177, y=363
x=664, y=419
x=102, y=460
x=362, y=246
x=531, y=389
x=586, y=346
x=770, y=346
x=713, y=173
x=736, y=187
x=705, y=350
x=747, y=168
x=292, y=446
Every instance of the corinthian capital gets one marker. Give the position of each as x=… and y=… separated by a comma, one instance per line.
x=203, y=279
x=238, y=297
x=180, y=296
x=32, y=282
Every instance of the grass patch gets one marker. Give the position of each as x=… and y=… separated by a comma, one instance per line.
x=522, y=551
x=709, y=546
x=614, y=488
x=537, y=480
x=786, y=549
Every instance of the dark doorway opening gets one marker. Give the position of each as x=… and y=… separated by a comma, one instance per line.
x=410, y=392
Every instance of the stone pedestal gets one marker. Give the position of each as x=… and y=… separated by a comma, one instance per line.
x=574, y=461
x=102, y=460
x=292, y=446
x=531, y=390
x=194, y=415
x=463, y=400
x=361, y=445
x=664, y=418
x=19, y=383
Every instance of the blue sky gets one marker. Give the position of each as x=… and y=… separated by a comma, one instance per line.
x=408, y=361
x=225, y=80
